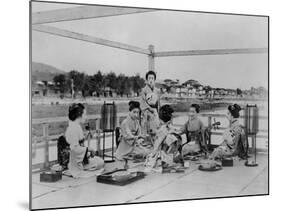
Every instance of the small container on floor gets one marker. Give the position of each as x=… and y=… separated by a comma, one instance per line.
x=50, y=176
x=227, y=162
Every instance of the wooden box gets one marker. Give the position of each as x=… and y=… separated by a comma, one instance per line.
x=50, y=176
x=227, y=162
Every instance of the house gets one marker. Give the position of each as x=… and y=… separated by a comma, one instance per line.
x=168, y=86
x=181, y=91
x=191, y=92
x=44, y=88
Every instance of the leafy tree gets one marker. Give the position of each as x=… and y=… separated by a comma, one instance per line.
x=89, y=84
x=61, y=82
x=86, y=91
x=111, y=80
x=137, y=83
x=78, y=80
x=97, y=82
x=123, y=86
x=239, y=92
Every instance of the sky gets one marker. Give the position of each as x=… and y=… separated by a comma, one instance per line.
x=167, y=31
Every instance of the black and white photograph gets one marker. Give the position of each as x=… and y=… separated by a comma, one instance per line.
x=142, y=105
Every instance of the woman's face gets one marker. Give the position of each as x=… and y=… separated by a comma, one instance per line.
x=192, y=112
x=135, y=113
x=228, y=115
x=151, y=80
x=83, y=117
x=172, y=119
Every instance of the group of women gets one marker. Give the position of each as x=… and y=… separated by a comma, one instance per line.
x=148, y=133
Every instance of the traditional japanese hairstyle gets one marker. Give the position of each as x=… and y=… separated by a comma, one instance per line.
x=133, y=105
x=150, y=72
x=196, y=106
x=75, y=111
x=166, y=113
x=234, y=110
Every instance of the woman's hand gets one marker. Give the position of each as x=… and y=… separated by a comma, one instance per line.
x=92, y=151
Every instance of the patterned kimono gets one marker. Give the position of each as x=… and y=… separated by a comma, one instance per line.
x=149, y=106
x=233, y=137
x=79, y=160
x=166, y=147
x=130, y=143
x=193, y=129
x=63, y=150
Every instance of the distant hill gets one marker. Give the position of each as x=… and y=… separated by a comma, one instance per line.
x=44, y=72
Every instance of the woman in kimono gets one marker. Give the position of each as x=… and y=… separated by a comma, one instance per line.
x=167, y=142
x=194, y=131
x=149, y=105
x=82, y=158
x=234, y=140
x=131, y=138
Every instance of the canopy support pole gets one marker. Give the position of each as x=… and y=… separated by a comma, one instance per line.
x=151, y=60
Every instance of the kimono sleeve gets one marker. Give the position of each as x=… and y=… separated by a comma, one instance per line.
x=80, y=134
x=244, y=139
x=158, y=100
x=230, y=137
x=183, y=129
x=127, y=134
x=144, y=105
x=161, y=135
x=201, y=125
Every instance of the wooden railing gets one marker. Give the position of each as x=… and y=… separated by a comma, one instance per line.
x=47, y=140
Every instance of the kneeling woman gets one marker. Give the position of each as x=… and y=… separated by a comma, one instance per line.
x=234, y=140
x=130, y=142
x=194, y=131
x=81, y=157
x=167, y=143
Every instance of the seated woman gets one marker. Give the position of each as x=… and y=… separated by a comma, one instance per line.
x=81, y=157
x=234, y=140
x=194, y=131
x=167, y=142
x=130, y=142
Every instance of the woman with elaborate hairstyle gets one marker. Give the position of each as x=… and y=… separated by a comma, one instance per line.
x=81, y=157
x=131, y=138
x=234, y=141
x=167, y=142
x=150, y=105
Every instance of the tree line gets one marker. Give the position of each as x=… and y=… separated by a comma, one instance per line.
x=98, y=84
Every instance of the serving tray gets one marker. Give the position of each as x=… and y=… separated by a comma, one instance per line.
x=215, y=168
x=108, y=178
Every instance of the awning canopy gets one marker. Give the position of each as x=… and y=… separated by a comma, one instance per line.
x=96, y=11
